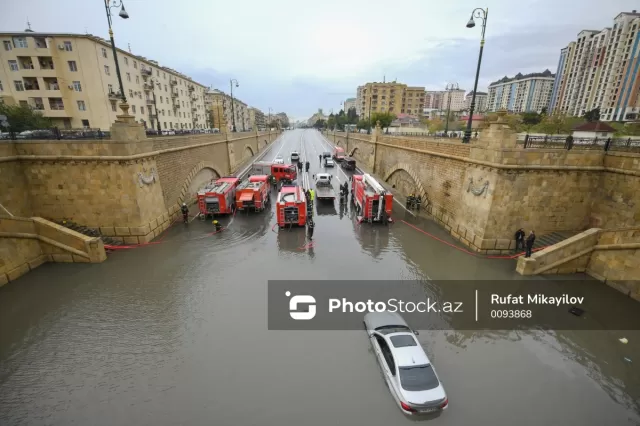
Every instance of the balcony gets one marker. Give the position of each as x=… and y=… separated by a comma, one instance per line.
x=149, y=101
x=194, y=109
x=51, y=83
x=174, y=82
x=114, y=96
x=174, y=94
x=176, y=106
x=25, y=63
x=191, y=88
x=36, y=103
x=31, y=83
x=46, y=63
x=147, y=86
x=146, y=72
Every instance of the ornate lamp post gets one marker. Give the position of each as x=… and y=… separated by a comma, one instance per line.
x=124, y=15
x=483, y=14
x=233, y=113
x=153, y=82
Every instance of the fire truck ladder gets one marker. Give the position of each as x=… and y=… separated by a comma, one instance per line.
x=370, y=210
x=281, y=216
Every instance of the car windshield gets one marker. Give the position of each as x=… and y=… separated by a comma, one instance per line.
x=418, y=378
x=388, y=329
x=403, y=341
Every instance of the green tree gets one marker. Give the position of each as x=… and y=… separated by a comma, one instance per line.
x=362, y=124
x=436, y=125
x=21, y=118
x=629, y=129
x=530, y=119
x=331, y=122
x=543, y=111
x=593, y=115
x=320, y=123
x=352, y=116
x=385, y=119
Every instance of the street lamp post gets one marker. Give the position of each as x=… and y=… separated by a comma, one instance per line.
x=450, y=87
x=233, y=113
x=269, y=119
x=369, y=129
x=124, y=15
x=155, y=104
x=480, y=14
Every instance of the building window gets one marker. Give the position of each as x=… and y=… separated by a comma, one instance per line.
x=13, y=65
x=126, y=61
x=67, y=46
x=130, y=93
x=1, y=88
x=133, y=108
x=20, y=42
x=72, y=66
x=104, y=52
x=165, y=88
x=19, y=86
x=128, y=77
x=142, y=110
x=106, y=70
x=164, y=75
x=160, y=99
x=77, y=86
x=110, y=88
x=165, y=124
x=137, y=79
x=82, y=106
x=163, y=113
x=157, y=73
x=181, y=92
x=135, y=64
x=169, y=112
x=85, y=123
x=7, y=45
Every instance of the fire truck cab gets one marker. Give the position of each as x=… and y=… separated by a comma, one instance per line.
x=253, y=193
x=218, y=197
x=282, y=172
x=338, y=154
x=373, y=202
x=291, y=207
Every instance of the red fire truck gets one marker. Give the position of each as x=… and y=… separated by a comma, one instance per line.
x=291, y=207
x=338, y=154
x=218, y=197
x=285, y=173
x=253, y=193
x=373, y=202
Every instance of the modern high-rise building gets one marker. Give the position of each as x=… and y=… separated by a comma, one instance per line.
x=348, y=104
x=222, y=112
x=481, y=102
x=396, y=98
x=601, y=69
x=359, y=101
x=522, y=93
x=71, y=79
x=434, y=99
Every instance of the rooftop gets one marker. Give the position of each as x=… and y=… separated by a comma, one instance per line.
x=519, y=76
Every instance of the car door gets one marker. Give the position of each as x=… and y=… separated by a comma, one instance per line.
x=385, y=359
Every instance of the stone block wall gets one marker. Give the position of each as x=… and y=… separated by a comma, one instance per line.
x=26, y=243
x=617, y=197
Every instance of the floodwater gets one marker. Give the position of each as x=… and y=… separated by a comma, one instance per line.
x=176, y=334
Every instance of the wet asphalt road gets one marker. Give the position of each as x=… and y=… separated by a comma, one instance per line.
x=176, y=334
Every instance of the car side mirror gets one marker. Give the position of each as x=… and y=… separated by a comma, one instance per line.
x=416, y=332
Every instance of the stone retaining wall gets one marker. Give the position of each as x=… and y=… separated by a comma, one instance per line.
x=26, y=243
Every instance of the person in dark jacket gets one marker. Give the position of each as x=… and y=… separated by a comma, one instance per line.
x=529, y=243
x=185, y=212
x=519, y=238
x=310, y=227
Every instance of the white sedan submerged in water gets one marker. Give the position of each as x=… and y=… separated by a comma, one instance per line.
x=407, y=370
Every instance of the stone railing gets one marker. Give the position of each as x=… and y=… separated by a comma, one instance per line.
x=26, y=243
x=608, y=255
x=442, y=146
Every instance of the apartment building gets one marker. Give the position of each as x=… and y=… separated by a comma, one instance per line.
x=317, y=116
x=359, y=101
x=348, y=104
x=601, y=69
x=71, y=78
x=522, y=93
x=456, y=97
x=481, y=101
x=433, y=99
x=222, y=112
x=257, y=119
x=396, y=98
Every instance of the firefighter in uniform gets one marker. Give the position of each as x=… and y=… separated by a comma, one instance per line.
x=310, y=227
x=217, y=225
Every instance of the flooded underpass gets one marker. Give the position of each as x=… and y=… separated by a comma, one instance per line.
x=176, y=333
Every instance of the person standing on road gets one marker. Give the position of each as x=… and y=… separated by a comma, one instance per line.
x=310, y=227
x=530, y=240
x=519, y=238
x=320, y=158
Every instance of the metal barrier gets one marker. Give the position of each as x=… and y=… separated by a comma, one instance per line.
x=569, y=143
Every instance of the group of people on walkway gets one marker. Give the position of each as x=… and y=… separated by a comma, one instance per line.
x=527, y=244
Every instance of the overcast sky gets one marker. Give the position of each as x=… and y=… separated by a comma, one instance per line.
x=297, y=55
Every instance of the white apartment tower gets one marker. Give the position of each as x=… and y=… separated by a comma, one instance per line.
x=601, y=69
x=522, y=93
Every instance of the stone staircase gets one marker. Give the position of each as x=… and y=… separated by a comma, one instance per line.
x=90, y=232
x=552, y=238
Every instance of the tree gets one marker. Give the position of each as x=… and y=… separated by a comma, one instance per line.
x=22, y=117
x=363, y=124
x=352, y=116
x=331, y=122
x=593, y=115
x=543, y=111
x=530, y=119
x=436, y=125
x=385, y=119
x=320, y=123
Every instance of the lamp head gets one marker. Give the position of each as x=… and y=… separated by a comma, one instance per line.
x=471, y=22
x=123, y=13
x=237, y=85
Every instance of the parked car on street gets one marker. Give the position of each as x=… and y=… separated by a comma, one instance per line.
x=326, y=154
x=409, y=374
x=328, y=162
x=295, y=156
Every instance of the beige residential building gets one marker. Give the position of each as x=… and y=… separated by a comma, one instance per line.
x=601, y=69
x=481, y=102
x=317, y=116
x=257, y=119
x=456, y=97
x=434, y=99
x=222, y=112
x=359, y=101
x=396, y=98
x=72, y=79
